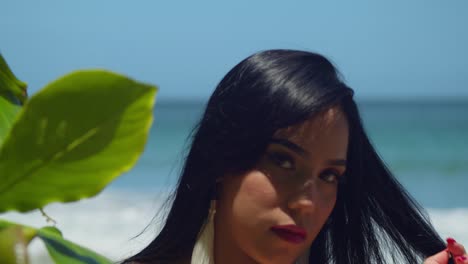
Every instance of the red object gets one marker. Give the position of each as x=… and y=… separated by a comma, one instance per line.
x=450, y=241
x=290, y=233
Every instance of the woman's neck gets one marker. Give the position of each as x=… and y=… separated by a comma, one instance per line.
x=225, y=250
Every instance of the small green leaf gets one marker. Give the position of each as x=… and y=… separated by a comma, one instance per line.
x=52, y=229
x=63, y=251
x=14, y=240
x=28, y=231
x=12, y=95
x=74, y=137
x=10, y=84
x=8, y=113
x=13, y=248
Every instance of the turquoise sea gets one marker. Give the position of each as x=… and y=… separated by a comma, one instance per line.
x=425, y=143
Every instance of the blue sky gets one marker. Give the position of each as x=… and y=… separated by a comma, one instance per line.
x=385, y=49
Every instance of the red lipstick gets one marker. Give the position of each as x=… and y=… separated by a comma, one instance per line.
x=290, y=233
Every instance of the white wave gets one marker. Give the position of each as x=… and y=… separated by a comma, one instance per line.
x=105, y=224
x=108, y=223
x=451, y=223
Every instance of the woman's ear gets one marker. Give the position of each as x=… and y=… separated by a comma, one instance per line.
x=218, y=188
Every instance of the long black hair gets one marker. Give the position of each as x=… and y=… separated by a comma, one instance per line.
x=374, y=219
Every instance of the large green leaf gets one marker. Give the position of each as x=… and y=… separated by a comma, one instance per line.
x=12, y=95
x=73, y=138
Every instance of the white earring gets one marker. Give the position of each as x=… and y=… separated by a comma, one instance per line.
x=203, y=250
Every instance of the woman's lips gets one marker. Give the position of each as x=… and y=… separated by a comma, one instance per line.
x=290, y=233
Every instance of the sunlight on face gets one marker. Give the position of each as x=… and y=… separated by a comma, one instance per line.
x=273, y=213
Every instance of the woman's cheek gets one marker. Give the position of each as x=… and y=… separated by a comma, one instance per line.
x=256, y=194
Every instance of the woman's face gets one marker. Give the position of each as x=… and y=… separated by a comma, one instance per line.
x=273, y=213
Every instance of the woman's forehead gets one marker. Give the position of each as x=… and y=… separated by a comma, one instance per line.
x=323, y=123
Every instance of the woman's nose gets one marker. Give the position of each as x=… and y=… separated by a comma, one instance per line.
x=304, y=198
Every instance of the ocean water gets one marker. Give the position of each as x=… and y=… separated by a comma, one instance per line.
x=425, y=144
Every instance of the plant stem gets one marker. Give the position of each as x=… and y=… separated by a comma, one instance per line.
x=49, y=219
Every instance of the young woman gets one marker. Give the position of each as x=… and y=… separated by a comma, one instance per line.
x=280, y=170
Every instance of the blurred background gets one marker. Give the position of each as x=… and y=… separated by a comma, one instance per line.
x=406, y=60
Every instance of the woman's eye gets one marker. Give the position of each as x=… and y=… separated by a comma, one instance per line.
x=330, y=176
x=282, y=160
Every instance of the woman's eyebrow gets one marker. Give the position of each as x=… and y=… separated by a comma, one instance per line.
x=299, y=150
x=290, y=145
x=337, y=162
